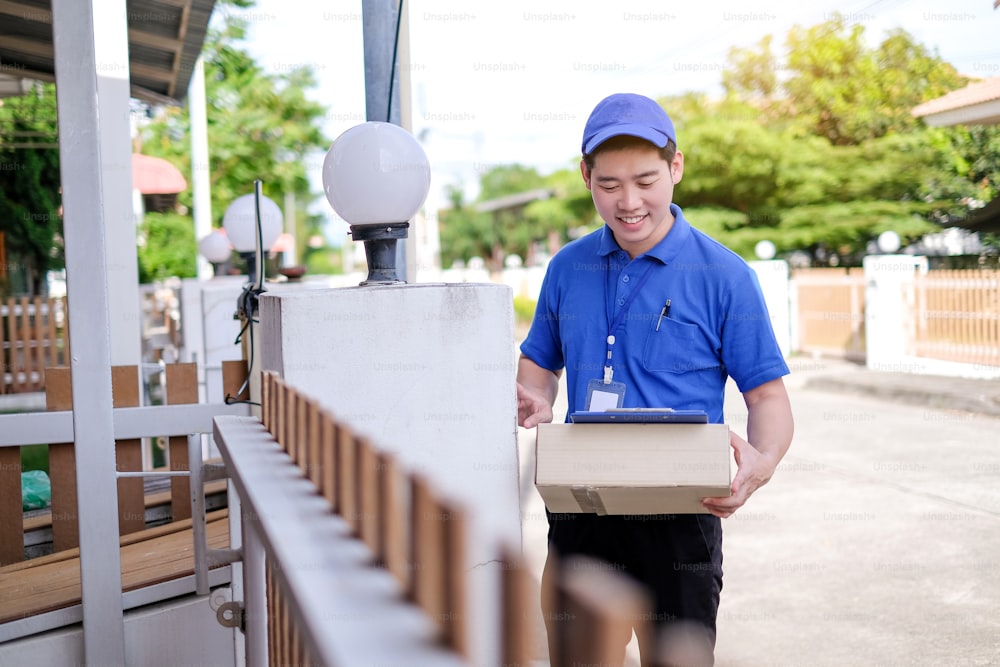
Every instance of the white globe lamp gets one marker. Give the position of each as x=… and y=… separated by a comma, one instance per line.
x=888, y=242
x=764, y=250
x=215, y=247
x=240, y=223
x=376, y=177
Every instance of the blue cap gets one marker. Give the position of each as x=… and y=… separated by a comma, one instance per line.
x=629, y=114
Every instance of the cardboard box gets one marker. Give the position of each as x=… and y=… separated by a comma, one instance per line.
x=631, y=468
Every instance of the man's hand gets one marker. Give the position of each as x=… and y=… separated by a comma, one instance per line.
x=532, y=408
x=753, y=470
x=536, y=391
x=769, y=427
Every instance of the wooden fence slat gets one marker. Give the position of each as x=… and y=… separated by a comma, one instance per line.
x=128, y=454
x=516, y=600
x=23, y=369
x=604, y=605
x=234, y=372
x=347, y=486
x=454, y=544
x=182, y=389
x=4, y=365
x=368, y=496
x=11, y=526
x=62, y=465
x=302, y=434
x=282, y=416
x=38, y=344
x=291, y=424
x=271, y=594
x=392, y=527
x=328, y=460
x=315, y=467
x=427, y=586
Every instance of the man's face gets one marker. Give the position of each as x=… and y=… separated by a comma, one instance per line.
x=632, y=189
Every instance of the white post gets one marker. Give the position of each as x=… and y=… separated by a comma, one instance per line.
x=86, y=223
x=886, y=313
x=772, y=275
x=290, y=255
x=113, y=93
x=201, y=188
x=254, y=593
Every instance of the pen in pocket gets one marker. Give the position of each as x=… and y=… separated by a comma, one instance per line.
x=664, y=312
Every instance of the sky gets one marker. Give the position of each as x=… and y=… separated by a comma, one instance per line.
x=514, y=81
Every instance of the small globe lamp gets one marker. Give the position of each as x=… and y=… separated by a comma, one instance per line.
x=376, y=177
x=888, y=242
x=240, y=223
x=215, y=248
x=765, y=250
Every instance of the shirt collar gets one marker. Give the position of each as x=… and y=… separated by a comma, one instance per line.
x=665, y=251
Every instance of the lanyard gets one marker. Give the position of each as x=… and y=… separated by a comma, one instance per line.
x=617, y=321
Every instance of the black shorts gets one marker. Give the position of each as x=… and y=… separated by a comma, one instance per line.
x=677, y=557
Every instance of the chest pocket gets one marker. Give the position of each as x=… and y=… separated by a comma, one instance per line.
x=678, y=348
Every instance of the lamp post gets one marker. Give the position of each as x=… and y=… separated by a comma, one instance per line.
x=240, y=223
x=376, y=177
x=215, y=247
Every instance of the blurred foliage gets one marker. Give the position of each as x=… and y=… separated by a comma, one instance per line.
x=524, y=309
x=260, y=126
x=816, y=151
x=30, y=202
x=167, y=247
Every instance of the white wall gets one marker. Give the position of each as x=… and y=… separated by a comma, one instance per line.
x=427, y=372
x=182, y=632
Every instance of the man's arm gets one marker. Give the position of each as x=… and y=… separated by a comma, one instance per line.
x=769, y=429
x=536, y=392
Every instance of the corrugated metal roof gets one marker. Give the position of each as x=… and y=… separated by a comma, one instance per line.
x=164, y=40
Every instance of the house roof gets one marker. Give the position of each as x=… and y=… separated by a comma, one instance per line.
x=156, y=176
x=164, y=40
x=976, y=104
x=513, y=201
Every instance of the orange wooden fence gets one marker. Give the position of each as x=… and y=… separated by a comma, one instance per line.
x=182, y=388
x=956, y=316
x=35, y=336
x=831, y=311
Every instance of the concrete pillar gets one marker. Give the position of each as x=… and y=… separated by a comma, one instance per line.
x=772, y=275
x=427, y=372
x=888, y=279
x=113, y=93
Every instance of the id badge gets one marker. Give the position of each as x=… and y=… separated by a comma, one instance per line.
x=603, y=396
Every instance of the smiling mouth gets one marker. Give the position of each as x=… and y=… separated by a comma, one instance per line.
x=632, y=219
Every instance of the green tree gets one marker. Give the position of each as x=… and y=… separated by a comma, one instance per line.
x=166, y=241
x=30, y=218
x=467, y=230
x=260, y=126
x=837, y=87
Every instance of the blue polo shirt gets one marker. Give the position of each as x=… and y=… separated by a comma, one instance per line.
x=717, y=326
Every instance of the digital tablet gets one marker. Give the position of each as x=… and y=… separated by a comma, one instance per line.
x=640, y=416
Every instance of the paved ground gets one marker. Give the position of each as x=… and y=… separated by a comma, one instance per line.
x=875, y=542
